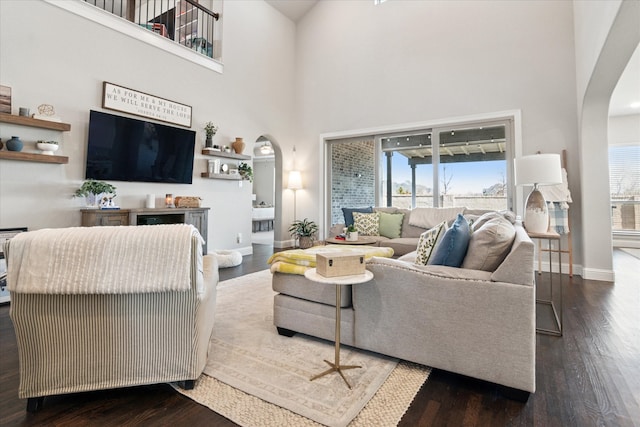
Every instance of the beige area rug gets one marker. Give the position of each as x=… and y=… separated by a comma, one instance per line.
x=256, y=377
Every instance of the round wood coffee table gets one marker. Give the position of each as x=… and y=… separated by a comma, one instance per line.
x=361, y=241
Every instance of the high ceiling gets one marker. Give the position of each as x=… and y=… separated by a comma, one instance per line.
x=626, y=93
x=293, y=9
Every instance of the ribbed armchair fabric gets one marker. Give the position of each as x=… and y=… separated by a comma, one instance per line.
x=80, y=342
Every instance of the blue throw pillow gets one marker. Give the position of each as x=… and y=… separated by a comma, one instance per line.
x=453, y=246
x=348, y=214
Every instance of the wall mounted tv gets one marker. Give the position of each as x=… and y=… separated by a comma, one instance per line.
x=124, y=149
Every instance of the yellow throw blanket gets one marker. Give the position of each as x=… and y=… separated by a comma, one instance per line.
x=297, y=261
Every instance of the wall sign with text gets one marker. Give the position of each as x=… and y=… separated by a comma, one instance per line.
x=131, y=101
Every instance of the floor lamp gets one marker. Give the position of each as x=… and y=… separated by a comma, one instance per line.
x=295, y=184
x=537, y=169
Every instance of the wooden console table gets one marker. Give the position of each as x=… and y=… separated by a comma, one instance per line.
x=198, y=217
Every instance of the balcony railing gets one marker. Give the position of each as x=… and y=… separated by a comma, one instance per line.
x=183, y=21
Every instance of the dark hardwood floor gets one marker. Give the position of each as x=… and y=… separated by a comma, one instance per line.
x=588, y=377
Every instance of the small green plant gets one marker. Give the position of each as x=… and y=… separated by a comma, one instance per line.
x=352, y=228
x=94, y=187
x=210, y=129
x=303, y=228
x=246, y=171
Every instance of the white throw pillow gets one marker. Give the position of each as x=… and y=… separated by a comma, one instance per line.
x=367, y=224
x=428, y=240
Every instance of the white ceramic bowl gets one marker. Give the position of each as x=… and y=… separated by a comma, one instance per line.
x=47, y=148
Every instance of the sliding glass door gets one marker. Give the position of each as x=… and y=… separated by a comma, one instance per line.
x=473, y=167
x=465, y=164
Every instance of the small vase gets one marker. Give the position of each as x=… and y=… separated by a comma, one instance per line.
x=14, y=144
x=238, y=146
x=93, y=200
x=352, y=236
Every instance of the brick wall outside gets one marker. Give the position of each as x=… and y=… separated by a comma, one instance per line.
x=353, y=177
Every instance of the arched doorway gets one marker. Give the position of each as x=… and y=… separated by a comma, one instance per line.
x=266, y=200
x=596, y=231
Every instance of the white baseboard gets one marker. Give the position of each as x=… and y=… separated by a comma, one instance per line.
x=626, y=243
x=598, y=274
x=281, y=244
x=577, y=268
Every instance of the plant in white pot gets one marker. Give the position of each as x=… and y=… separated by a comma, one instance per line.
x=47, y=147
x=352, y=233
x=304, y=230
x=246, y=171
x=92, y=191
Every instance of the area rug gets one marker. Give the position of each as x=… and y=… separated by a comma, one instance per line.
x=256, y=377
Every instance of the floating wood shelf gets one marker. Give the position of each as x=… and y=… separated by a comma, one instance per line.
x=33, y=157
x=221, y=176
x=29, y=121
x=226, y=155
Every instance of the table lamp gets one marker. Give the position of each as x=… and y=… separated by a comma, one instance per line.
x=537, y=169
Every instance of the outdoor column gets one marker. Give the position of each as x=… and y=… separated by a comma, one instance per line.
x=389, y=183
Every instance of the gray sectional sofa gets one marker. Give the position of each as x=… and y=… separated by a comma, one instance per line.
x=409, y=234
x=472, y=322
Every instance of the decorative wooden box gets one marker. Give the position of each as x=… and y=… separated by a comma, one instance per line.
x=340, y=264
x=187, y=202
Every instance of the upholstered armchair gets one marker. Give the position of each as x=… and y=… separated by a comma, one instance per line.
x=108, y=307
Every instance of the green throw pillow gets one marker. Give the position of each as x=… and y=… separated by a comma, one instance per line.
x=428, y=240
x=391, y=225
x=367, y=224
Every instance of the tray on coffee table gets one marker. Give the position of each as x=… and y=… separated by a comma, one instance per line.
x=361, y=241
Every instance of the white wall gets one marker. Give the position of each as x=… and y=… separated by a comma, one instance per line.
x=264, y=179
x=607, y=33
x=593, y=20
x=361, y=66
x=624, y=130
x=52, y=56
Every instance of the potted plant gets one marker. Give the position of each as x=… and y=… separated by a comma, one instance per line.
x=91, y=189
x=246, y=171
x=210, y=129
x=304, y=230
x=352, y=233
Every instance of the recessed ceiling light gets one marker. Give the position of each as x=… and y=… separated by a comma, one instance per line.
x=635, y=105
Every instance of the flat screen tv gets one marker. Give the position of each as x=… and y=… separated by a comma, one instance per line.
x=125, y=149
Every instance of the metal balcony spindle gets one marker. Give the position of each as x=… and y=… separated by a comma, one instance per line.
x=192, y=25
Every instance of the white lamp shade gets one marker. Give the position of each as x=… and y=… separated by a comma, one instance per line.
x=541, y=169
x=295, y=180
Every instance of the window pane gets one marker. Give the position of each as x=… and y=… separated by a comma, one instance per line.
x=624, y=181
x=473, y=168
x=405, y=153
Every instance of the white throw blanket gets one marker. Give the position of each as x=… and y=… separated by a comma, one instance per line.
x=430, y=217
x=102, y=260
